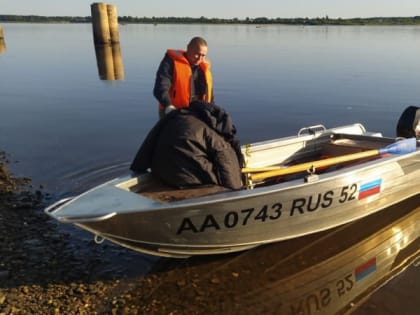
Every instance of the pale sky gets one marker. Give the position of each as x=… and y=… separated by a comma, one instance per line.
x=222, y=8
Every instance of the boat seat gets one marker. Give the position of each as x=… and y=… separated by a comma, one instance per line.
x=348, y=146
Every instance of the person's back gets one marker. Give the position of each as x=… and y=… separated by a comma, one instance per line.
x=188, y=152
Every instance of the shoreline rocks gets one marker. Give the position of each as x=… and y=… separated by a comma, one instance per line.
x=41, y=270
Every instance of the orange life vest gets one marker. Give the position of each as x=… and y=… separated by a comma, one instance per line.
x=180, y=91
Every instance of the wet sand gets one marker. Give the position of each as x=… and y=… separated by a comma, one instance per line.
x=44, y=270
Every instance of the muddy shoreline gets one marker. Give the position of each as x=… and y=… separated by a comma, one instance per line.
x=44, y=269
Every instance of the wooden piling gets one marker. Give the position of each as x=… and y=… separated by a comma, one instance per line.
x=100, y=23
x=104, y=23
x=113, y=23
x=106, y=38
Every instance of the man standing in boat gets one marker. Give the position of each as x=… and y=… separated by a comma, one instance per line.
x=184, y=76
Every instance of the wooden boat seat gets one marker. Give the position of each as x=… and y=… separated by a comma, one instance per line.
x=349, y=146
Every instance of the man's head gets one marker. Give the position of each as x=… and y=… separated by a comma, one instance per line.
x=196, y=50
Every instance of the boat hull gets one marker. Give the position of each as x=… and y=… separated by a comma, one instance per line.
x=236, y=220
x=234, y=224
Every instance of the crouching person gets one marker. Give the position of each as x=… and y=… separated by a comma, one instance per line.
x=193, y=146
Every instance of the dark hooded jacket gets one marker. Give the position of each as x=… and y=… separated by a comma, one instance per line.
x=193, y=146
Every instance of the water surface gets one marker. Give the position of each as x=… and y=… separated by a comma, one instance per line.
x=69, y=130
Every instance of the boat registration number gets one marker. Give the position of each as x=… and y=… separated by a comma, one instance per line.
x=268, y=212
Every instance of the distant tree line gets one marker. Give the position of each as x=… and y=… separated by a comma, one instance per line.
x=203, y=20
x=44, y=19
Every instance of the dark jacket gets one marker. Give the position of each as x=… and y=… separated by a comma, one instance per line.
x=193, y=146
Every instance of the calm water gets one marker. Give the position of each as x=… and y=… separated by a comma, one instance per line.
x=69, y=130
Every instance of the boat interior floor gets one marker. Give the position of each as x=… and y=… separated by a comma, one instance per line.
x=158, y=191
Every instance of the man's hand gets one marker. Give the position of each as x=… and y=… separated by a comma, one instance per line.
x=169, y=109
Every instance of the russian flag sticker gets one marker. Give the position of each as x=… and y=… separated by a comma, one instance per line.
x=365, y=269
x=370, y=188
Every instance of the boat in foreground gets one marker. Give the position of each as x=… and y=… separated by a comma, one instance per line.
x=319, y=179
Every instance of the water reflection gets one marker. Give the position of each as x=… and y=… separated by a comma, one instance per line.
x=2, y=43
x=2, y=46
x=109, y=61
x=328, y=273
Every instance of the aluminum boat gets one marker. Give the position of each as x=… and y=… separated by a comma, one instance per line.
x=316, y=180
